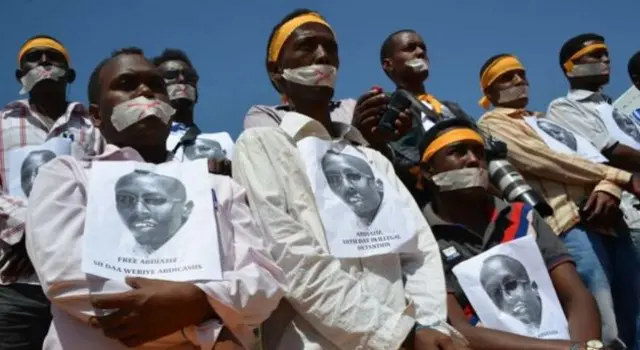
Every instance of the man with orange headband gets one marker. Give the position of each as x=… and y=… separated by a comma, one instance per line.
x=263, y=115
x=44, y=73
x=455, y=168
x=583, y=193
x=375, y=301
x=586, y=110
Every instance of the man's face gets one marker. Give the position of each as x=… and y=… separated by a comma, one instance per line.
x=123, y=78
x=558, y=133
x=309, y=44
x=43, y=56
x=353, y=181
x=507, y=81
x=406, y=46
x=627, y=125
x=150, y=208
x=597, y=56
x=30, y=167
x=513, y=293
x=205, y=148
x=179, y=72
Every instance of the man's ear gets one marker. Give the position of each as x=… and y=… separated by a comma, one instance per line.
x=635, y=79
x=534, y=285
x=19, y=75
x=379, y=186
x=188, y=208
x=71, y=75
x=94, y=115
x=387, y=66
x=275, y=75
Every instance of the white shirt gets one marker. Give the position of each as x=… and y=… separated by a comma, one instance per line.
x=367, y=303
x=249, y=292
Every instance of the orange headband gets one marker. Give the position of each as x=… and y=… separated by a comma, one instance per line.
x=285, y=31
x=448, y=138
x=568, y=65
x=499, y=67
x=43, y=42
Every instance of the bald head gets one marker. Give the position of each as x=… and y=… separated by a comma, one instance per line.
x=30, y=166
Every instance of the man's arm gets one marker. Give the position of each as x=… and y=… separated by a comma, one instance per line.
x=623, y=157
x=424, y=284
x=532, y=156
x=251, y=285
x=319, y=289
x=481, y=338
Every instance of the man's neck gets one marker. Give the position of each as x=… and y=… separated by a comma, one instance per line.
x=476, y=213
x=52, y=106
x=184, y=116
x=416, y=89
x=155, y=155
x=319, y=111
x=588, y=87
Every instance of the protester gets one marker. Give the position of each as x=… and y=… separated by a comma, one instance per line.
x=182, y=87
x=264, y=115
x=584, y=60
x=44, y=71
x=454, y=163
x=584, y=196
x=634, y=70
x=331, y=302
x=156, y=313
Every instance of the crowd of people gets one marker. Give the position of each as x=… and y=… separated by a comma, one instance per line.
x=391, y=221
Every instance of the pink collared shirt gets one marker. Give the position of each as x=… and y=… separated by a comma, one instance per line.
x=20, y=126
x=251, y=288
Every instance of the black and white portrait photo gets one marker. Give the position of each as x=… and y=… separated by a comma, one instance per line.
x=204, y=148
x=559, y=133
x=29, y=169
x=627, y=125
x=352, y=180
x=153, y=207
x=512, y=291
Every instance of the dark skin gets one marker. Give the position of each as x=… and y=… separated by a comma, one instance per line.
x=601, y=208
x=620, y=156
x=314, y=43
x=179, y=72
x=153, y=308
x=47, y=98
x=578, y=305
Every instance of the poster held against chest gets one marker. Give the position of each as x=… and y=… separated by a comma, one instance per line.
x=361, y=213
x=209, y=146
x=24, y=163
x=152, y=221
x=563, y=140
x=510, y=289
x=622, y=127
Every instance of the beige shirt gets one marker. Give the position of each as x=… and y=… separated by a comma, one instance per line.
x=332, y=303
x=564, y=180
x=249, y=291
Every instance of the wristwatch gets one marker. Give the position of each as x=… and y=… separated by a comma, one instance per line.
x=589, y=345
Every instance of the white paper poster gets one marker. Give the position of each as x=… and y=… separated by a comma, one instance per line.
x=510, y=289
x=622, y=127
x=210, y=146
x=24, y=162
x=361, y=213
x=563, y=140
x=152, y=221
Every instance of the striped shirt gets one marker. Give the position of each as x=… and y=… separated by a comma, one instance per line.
x=21, y=126
x=563, y=180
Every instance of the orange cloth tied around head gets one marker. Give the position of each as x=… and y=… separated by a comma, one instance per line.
x=43, y=42
x=497, y=68
x=437, y=106
x=568, y=65
x=442, y=141
x=285, y=31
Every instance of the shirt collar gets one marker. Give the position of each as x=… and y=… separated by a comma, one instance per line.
x=514, y=112
x=582, y=95
x=501, y=207
x=115, y=153
x=74, y=110
x=299, y=126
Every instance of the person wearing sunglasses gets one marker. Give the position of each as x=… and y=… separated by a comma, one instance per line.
x=182, y=87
